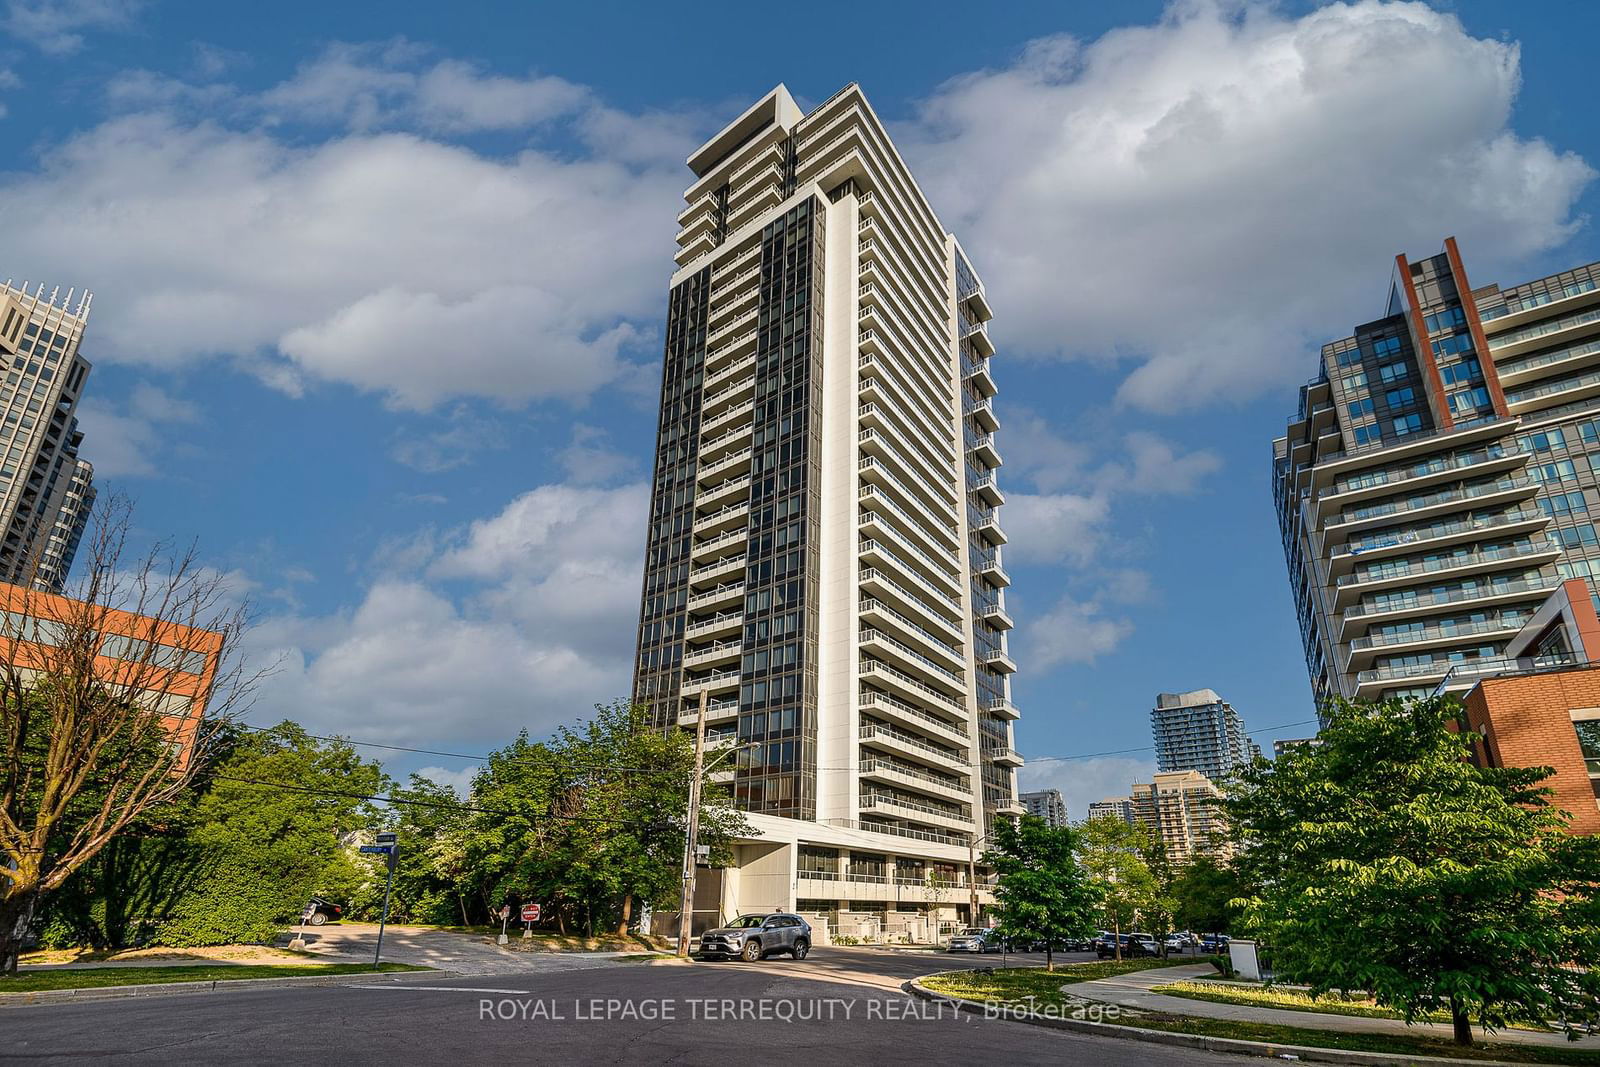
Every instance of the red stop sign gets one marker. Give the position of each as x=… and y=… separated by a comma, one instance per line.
x=530, y=913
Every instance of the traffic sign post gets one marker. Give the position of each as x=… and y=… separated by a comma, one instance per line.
x=505, y=917
x=389, y=845
x=530, y=915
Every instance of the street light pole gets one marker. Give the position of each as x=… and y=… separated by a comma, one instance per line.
x=691, y=831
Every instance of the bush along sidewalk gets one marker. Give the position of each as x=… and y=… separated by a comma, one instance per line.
x=1033, y=995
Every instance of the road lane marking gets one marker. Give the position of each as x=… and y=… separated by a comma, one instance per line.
x=445, y=989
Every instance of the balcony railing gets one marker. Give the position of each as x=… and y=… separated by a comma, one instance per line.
x=1448, y=496
x=871, y=697
x=1401, y=475
x=872, y=730
x=1436, y=633
x=1453, y=596
x=1382, y=573
x=1476, y=668
x=1427, y=533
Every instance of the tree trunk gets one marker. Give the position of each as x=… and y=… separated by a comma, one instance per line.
x=1049, y=960
x=627, y=914
x=1116, y=937
x=16, y=916
x=463, y=902
x=1461, y=1022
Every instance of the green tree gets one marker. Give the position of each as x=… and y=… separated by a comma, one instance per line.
x=595, y=823
x=1203, y=892
x=268, y=831
x=1388, y=862
x=1114, y=851
x=427, y=821
x=1045, y=894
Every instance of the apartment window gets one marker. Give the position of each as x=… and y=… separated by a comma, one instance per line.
x=1400, y=398
x=1469, y=400
x=1407, y=424
x=1576, y=536
x=1361, y=408
x=1559, y=471
x=1355, y=381
x=1560, y=504
x=1366, y=435
x=1586, y=722
x=1450, y=346
x=1545, y=440
x=1468, y=370
x=1349, y=357
x=1392, y=372
x=1386, y=346
x=1448, y=319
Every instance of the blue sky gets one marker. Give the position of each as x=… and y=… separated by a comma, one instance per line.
x=378, y=290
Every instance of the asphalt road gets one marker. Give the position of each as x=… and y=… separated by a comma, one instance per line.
x=840, y=1006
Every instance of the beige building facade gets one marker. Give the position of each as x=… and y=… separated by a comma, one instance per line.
x=824, y=563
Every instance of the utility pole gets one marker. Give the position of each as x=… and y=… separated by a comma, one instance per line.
x=972, y=882
x=692, y=830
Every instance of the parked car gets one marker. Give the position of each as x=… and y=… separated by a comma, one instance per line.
x=1134, y=946
x=755, y=937
x=976, y=939
x=1179, y=942
x=320, y=911
x=1214, y=943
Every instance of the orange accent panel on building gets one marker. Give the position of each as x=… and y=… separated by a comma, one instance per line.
x=1480, y=340
x=1527, y=722
x=1419, y=342
x=193, y=686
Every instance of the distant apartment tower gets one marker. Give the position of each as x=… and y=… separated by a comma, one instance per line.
x=1199, y=731
x=823, y=561
x=46, y=490
x=1114, y=808
x=1439, y=479
x=1180, y=809
x=1047, y=805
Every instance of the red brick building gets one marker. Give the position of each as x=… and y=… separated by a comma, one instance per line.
x=1549, y=714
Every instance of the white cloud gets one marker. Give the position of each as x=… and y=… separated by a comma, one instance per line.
x=464, y=437
x=1081, y=782
x=1055, y=527
x=56, y=26
x=589, y=461
x=459, y=780
x=1210, y=196
x=1156, y=466
x=126, y=440
x=524, y=619
x=1074, y=631
x=402, y=265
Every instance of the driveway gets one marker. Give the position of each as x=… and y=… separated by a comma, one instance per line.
x=447, y=950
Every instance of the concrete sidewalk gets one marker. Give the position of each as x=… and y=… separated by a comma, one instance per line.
x=1134, y=991
x=448, y=950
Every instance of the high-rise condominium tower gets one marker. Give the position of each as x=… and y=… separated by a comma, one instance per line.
x=1199, y=731
x=1439, y=479
x=46, y=491
x=823, y=561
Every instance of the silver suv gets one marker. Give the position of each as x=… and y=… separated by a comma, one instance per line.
x=754, y=937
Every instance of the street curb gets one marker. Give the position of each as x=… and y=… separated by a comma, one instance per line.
x=217, y=985
x=1201, y=1041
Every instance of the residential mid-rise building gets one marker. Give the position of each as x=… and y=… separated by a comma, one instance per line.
x=1282, y=745
x=1439, y=479
x=1114, y=808
x=46, y=490
x=823, y=565
x=1181, y=810
x=1199, y=731
x=1047, y=805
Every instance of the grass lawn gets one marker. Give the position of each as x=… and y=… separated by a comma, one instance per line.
x=99, y=977
x=1401, y=1044
x=1292, y=1000
x=1044, y=986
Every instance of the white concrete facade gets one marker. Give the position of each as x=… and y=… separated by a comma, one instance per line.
x=912, y=749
